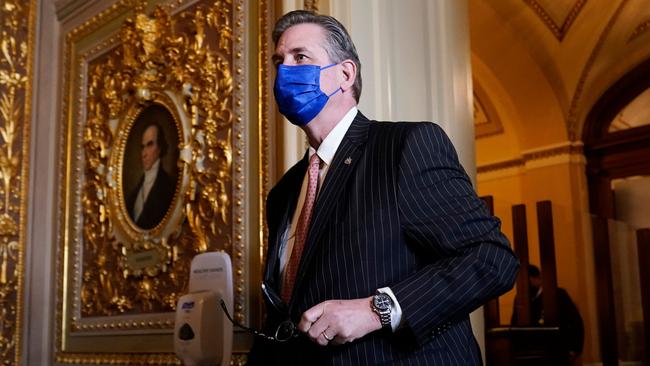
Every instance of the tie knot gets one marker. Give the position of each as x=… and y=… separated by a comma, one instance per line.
x=314, y=160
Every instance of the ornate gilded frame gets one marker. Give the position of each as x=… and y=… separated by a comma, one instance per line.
x=16, y=80
x=201, y=61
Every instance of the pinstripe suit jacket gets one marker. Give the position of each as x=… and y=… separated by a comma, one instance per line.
x=396, y=209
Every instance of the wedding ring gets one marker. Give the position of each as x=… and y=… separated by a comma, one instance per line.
x=326, y=337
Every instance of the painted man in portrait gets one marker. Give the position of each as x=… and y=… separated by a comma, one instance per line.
x=149, y=201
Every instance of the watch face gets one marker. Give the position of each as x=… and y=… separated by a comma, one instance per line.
x=382, y=302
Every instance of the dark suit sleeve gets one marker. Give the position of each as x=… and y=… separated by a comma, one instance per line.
x=467, y=259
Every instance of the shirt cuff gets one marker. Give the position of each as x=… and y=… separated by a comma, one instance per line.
x=396, y=310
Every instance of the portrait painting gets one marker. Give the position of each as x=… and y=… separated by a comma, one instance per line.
x=150, y=171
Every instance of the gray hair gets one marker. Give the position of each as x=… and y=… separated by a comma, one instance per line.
x=339, y=44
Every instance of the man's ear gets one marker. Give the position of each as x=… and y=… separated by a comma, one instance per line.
x=349, y=74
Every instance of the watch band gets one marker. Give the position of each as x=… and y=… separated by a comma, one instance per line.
x=382, y=304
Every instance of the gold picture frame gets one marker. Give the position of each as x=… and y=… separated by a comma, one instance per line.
x=136, y=239
x=184, y=65
x=16, y=91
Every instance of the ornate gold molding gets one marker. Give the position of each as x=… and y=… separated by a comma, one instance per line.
x=122, y=360
x=576, y=148
x=133, y=359
x=107, y=15
x=16, y=78
x=572, y=120
x=312, y=5
x=264, y=117
x=501, y=165
x=565, y=149
x=559, y=31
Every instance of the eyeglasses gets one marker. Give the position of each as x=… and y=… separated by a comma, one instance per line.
x=284, y=332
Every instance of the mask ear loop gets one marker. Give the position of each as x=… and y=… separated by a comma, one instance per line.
x=335, y=91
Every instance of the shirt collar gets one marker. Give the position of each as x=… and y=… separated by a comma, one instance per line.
x=331, y=143
x=150, y=175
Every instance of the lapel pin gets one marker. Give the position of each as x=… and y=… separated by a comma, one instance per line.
x=348, y=161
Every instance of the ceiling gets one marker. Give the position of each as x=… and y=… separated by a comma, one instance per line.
x=545, y=63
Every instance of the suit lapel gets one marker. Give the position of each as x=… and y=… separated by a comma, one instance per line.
x=344, y=163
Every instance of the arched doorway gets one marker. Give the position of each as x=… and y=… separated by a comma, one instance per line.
x=614, y=153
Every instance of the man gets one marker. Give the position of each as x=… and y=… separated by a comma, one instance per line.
x=378, y=246
x=149, y=201
x=569, y=320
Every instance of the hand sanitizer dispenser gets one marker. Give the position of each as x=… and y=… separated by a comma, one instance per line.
x=202, y=333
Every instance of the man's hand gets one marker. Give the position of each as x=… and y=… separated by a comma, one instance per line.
x=339, y=321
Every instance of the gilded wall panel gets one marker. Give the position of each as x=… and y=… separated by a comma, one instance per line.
x=17, y=48
x=155, y=86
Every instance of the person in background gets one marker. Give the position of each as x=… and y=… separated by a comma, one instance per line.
x=569, y=319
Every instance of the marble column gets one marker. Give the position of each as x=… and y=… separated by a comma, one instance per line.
x=415, y=60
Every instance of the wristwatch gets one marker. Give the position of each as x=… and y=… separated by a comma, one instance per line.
x=382, y=304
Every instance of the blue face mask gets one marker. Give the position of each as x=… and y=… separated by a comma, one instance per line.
x=298, y=94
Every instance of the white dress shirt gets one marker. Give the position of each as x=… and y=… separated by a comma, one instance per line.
x=326, y=152
x=149, y=179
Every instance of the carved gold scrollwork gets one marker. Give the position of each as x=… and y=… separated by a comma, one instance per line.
x=15, y=78
x=184, y=65
x=312, y=5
